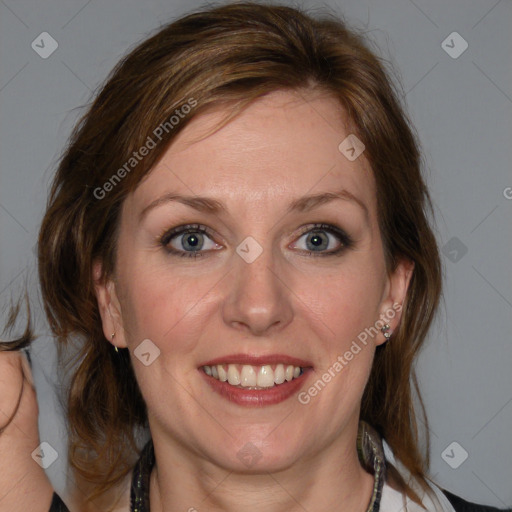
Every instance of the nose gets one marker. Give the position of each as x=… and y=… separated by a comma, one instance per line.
x=259, y=299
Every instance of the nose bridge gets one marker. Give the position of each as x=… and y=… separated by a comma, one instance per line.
x=257, y=298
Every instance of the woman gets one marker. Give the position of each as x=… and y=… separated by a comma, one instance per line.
x=238, y=233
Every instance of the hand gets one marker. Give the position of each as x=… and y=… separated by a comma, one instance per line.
x=23, y=483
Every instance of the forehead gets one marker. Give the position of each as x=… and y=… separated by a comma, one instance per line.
x=283, y=146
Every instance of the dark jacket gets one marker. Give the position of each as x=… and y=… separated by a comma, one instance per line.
x=461, y=505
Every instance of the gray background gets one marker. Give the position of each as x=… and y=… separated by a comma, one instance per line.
x=462, y=109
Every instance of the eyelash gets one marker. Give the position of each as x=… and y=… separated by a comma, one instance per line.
x=166, y=237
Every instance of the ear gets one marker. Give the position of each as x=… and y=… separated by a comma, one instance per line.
x=394, y=296
x=109, y=306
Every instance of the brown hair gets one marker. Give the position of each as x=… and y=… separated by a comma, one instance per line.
x=226, y=56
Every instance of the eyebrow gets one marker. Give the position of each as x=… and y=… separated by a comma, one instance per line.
x=213, y=206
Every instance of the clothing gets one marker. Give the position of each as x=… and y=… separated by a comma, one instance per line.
x=57, y=504
x=373, y=452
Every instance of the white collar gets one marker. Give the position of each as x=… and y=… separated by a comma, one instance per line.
x=395, y=501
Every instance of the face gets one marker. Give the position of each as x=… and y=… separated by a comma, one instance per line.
x=256, y=285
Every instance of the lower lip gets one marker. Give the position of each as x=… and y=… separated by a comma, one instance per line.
x=257, y=397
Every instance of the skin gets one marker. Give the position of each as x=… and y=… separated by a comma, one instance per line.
x=281, y=148
x=23, y=483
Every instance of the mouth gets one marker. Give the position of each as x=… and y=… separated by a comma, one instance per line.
x=253, y=377
x=255, y=381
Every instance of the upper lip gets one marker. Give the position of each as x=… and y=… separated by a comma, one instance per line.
x=257, y=360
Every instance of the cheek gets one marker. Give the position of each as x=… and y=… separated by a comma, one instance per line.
x=347, y=301
x=169, y=311
x=163, y=307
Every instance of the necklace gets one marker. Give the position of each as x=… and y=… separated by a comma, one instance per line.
x=369, y=450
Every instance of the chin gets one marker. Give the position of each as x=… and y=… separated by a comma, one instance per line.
x=267, y=452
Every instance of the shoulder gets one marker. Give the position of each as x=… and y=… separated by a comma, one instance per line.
x=461, y=505
x=449, y=501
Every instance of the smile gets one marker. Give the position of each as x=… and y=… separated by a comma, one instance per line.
x=256, y=381
x=253, y=377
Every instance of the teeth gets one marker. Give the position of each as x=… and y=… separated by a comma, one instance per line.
x=223, y=374
x=265, y=377
x=233, y=375
x=248, y=376
x=279, y=377
x=254, y=377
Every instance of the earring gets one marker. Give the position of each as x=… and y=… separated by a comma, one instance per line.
x=384, y=330
x=112, y=335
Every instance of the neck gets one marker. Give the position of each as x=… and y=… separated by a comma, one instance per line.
x=331, y=480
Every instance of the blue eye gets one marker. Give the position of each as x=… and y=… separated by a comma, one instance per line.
x=193, y=238
x=321, y=236
x=189, y=241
